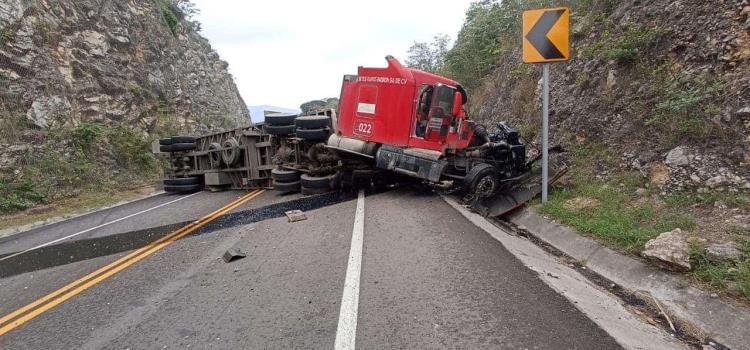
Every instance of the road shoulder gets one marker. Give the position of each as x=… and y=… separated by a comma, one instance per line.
x=605, y=309
x=719, y=320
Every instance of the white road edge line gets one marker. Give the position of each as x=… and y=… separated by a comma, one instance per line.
x=97, y=227
x=346, y=333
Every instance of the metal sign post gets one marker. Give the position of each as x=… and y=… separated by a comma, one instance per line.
x=545, y=130
x=546, y=39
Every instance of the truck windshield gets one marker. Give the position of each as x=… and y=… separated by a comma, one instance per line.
x=444, y=98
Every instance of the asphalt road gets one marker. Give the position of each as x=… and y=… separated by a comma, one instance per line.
x=429, y=279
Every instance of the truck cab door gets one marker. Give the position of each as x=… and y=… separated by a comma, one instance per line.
x=440, y=116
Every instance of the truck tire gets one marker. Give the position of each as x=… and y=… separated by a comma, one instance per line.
x=165, y=142
x=214, y=155
x=181, y=181
x=279, y=129
x=183, y=139
x=182, y=188
x=165, y=148
x=178, y=147
x=313, y=122
x=280, y=119
x=482, y=180
x=231, y=153
x=313, y=191
x=286, y=187
x=314, y=134
x=283, y=175
x=316, y=182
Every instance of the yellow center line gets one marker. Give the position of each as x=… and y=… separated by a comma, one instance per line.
x=53, y=299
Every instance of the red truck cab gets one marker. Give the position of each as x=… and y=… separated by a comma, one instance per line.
x=404, y=107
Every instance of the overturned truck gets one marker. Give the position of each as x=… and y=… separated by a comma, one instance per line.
x=392, y=123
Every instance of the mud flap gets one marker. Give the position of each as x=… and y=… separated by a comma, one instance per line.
x=520, y=192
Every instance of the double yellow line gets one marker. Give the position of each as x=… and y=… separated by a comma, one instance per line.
x=38, y=307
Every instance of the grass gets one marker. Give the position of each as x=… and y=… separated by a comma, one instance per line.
x=685, y=103
x=15, y=197
x=626, y=45
x=625, y=221
x=618, y=220
x=722, y=275
x=86, y=201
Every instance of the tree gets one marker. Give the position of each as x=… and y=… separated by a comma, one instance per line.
x=429, y=57
x=325, y=103
x=185, y=10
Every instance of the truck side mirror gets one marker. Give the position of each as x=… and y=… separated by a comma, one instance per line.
x=457, y=103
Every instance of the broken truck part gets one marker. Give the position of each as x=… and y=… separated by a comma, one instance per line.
x=391, y=122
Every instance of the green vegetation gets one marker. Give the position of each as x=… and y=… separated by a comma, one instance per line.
x=617, y=217
x=85, y=135
x=491, y=30
x=311, y=106
x=15, y=197
x=626, y=45
x=171, y=18
x=135, y=89
x=6, y=36
x=614, y=214
x=84, y=201
x=686, y=103
x=522, y=70
x=73, y=161
x=429, y=57
x=731, y=275
x=132, y=148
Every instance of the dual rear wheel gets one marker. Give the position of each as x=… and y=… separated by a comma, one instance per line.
x=289, y=181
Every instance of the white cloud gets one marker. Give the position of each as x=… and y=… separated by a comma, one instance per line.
x=287, y=52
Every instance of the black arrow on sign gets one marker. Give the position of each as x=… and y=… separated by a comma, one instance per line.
x=537, y=36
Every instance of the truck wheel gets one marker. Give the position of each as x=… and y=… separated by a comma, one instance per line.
x=231, y=153
x=313, y=191
x=286, y=187
x=313, y=134
x=316, y=182
x=181, y=181
x=282, y=175
x=313, y=122
x=182, y=188
x=165, y=142
x=178, y=147
x=183, y=139
x=165, y=148
x=279, y=129
x=214, y=155
x=280, y=119
x=482, y=180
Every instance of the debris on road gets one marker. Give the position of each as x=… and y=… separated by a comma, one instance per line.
x=295, y=215
x=233, y=254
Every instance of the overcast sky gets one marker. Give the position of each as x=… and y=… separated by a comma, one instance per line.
x=284, y=53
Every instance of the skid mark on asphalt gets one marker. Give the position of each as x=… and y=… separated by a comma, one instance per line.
x=346, y=333
x=42, y=305
x=10, y=256
x=84, y=249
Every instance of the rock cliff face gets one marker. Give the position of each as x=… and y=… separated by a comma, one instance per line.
x=65, y=62
x=72, y=71
x=663, y=85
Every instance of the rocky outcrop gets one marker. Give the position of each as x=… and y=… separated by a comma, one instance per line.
x=85, y=85
x=657, y=83
x=64, y=63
